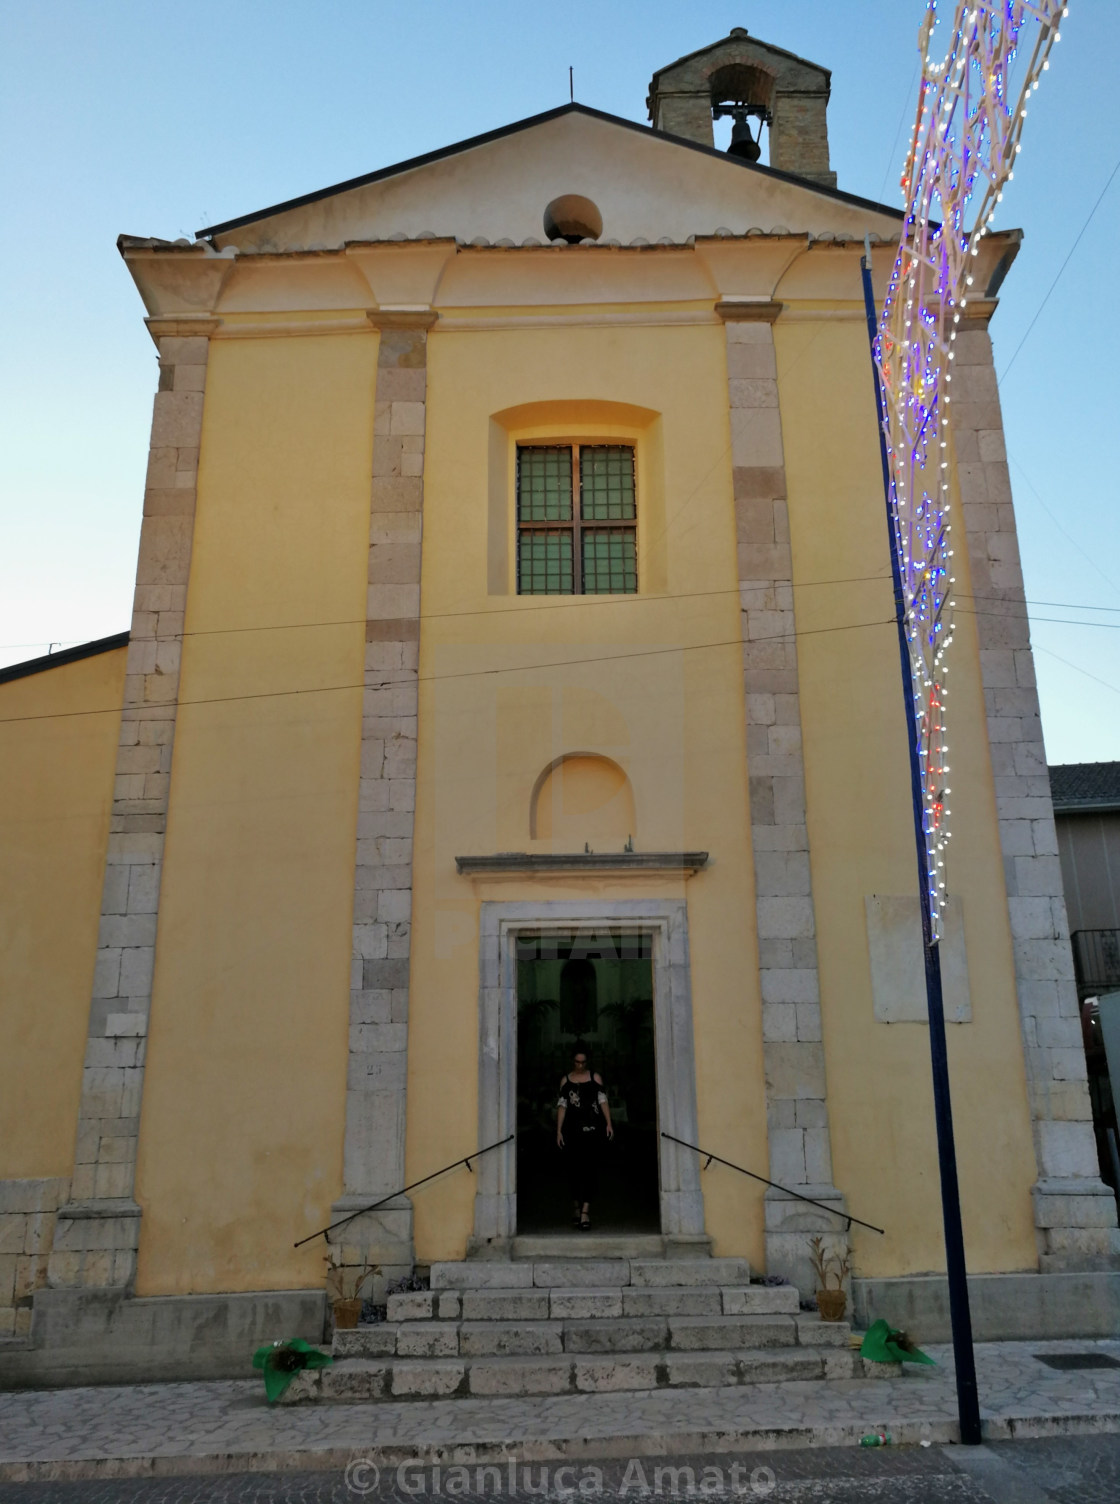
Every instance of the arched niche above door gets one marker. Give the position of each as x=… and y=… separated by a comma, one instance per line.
x=582, y=799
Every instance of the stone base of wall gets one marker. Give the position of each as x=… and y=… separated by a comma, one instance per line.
x=28, y=1210
x=106, y=1337
x=95, y=1244
x=1075, y=1222
x=1005, y=1307
x=382, y=1238
x=791, y=1226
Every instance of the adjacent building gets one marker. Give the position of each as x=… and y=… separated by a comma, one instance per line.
x=1087, y=818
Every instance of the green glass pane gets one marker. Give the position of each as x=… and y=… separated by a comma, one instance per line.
x=606, y=481
x=544, y=563
x=610, y=561
x=544, y=484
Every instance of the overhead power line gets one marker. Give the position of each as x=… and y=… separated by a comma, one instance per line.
x=560, y=603
x=906, y=105
x=1067, y=536
x=1077, y=669
x=513, y=668
x=542, y=666
x=1061, y=269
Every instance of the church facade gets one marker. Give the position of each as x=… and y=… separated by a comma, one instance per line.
x=512, y=668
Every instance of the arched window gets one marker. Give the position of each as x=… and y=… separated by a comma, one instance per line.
x=577, y=520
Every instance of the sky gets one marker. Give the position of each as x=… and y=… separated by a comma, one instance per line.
x=156, y=119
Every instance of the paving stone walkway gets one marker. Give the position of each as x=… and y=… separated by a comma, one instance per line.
x=153, y=1429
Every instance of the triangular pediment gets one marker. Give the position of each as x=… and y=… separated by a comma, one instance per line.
x=647, y=186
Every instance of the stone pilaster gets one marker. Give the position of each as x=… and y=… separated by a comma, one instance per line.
x=27, y=1221
x=796, y=1101
x=373, y=1164
x=1075, y=1212
x=98, y=1230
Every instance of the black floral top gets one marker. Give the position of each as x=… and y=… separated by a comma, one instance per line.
x=582, y=1101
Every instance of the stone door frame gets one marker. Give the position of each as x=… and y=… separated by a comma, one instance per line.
x=666, y=921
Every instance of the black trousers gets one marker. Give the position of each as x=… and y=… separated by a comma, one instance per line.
x=581, y=1158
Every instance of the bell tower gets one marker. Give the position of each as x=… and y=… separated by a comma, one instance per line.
x=749, y=80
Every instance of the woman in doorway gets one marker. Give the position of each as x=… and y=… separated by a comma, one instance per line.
x=583, y=1106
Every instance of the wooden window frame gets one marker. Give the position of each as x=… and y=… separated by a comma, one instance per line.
x=576, y=525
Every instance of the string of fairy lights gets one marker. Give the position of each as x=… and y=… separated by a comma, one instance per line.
x=965, y=142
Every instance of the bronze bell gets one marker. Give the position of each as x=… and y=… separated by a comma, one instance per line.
x=743, y=143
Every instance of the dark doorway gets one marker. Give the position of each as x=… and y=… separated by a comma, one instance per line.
x=595, y=989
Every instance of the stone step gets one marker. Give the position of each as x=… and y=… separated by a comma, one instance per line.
x=354, y=1379
x=577, y=1245
x=813, y=1332
x=581, y=1333
x=540, y=1304
x=655, y=1273
x=528, y=1274
x=696, y=1333
x=496, y=1339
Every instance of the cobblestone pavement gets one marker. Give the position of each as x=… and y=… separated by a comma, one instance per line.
x=224, y=1427
x=1065, y=1470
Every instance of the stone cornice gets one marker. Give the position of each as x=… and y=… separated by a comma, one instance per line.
x=569, y=863
x=403, y=276
x=977, y=314
x=289, y=328
x=161, y=326
x=402, y=318
x=178, y=281
x=109, y=1207
x=189, y=290
x=732, y=311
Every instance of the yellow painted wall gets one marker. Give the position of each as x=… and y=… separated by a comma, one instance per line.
x=56, y=792
x=861, y=842
x=244, y=1098
x=672, y=719
x=244, y=1101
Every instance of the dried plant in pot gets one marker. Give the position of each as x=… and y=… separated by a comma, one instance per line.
x=344, y=1291
x=832, y=1299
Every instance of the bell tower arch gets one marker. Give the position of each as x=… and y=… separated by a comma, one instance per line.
x=747, y=79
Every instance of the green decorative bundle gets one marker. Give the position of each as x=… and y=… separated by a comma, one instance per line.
x=884, y=1344
x=281, y=1361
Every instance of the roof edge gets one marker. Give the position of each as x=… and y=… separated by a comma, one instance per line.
x=411, y=164
x=66, y=655
x=767, y=46
x=1085, y=788
x=1086, y=806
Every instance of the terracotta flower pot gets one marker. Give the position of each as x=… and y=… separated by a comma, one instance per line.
x=346, y=1314
x=832, y=1304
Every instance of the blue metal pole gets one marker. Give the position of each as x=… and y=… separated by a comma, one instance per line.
x=968, y=1401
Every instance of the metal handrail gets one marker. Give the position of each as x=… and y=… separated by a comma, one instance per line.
x=715, y=1158
x=466, y=1160
x=362, y=1210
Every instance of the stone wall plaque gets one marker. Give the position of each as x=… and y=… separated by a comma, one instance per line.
x=898, y=984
